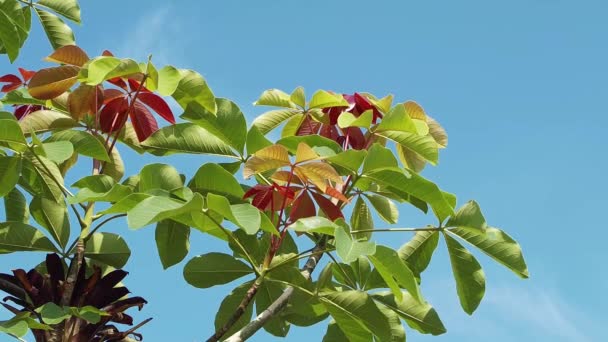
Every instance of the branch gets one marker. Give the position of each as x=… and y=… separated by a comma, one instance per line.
x=280, y=303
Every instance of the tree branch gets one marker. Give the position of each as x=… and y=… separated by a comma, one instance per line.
x=280, y=303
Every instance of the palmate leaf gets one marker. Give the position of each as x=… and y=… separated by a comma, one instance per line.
x=9, y=36
x=17, y=236
x=357, y=315
x=395, y=272
x=46, y=120
x=498, y=245
x=15, y=206
x=425, y=146
x=298, y=97
x=419, y=316
x=10, y=170
x=108, y=248
x=172, y=241
x=245, y=216
x=99, y=188
x=84, y=143
x=58, y=151
x=53, y=216
x=69, y=54
x=417, y=252
x=36, y=179
x=275, y=98
x=11, y=133
x=186, y=138
x=213, y=178
x=51, y=82
x=256, y=140
x=348, y=249
x=58, y=33
x=361, y=219
x=397, y=331
x=468, y=216
x=159, y=176
x=192, y=87
x=470, y=278
x=386, y=209
x=107, y=67
x=314, y=224
x=66, y=8
x=324, y=99
x=213, y=269
x=156, y=208
x=268, y=158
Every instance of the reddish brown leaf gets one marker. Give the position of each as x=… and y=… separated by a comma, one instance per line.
x=107, y=53
x=13, y=81
x=69, y=54
x=282, y=177
x=331, y=210
x=157, y=104
x=135, y=81
x=308, y=127
x=113, y=114
x=143, y=121
x=333, y=192
x=356, y=139
x=119, y=82
x=26, y=74
x=302, y=207
x=84, y=100
x=111, y=94
x=51, y=82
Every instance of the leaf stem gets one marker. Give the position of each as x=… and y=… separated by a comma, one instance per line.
x=423, y=229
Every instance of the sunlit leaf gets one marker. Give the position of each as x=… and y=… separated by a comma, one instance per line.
x=53, y=216
x=58, y=33
x=298, y=97
x=192, y=87
x=470, y=278
x=84, y=143
x=46, y=120
x=419, y=316
x=186, y=138
x=51, y=82
x=268, y=158
x=348, y=249
x=468, y=216
x=68, y=54
x=17, y=236
x=324, y=99
x=67, y=8
x=273, y=119
x=10, y=170
x=15, y=206
x=395, y=272
x=417, y=252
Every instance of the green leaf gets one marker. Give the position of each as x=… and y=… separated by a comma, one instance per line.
x=126, y=204
x=20, y=96
x=159, y=176
x=323, y=146
x=186, y=138
x=230, y=303
x=212, y=269
x=10, y=170
x=168, y=80
x=417, y=252
x=84, y=143
x=498, y=245
x=89, y=313
x=470, y=278
x=256, y=140
x=273, y=119
x=335, y=334
x=106, y=67
x=157, y=208
x=378, y=157
x=357, y=315
x=397, y=331
x=298, y=97
x=58, y=151
x=350, y=250
x=17, y=236
x=212, y=178
x=266, y=295
x=15, y=326
x=323, y=99
x=314, y=224
x=52, y=313
x=397, y=120
x=350, y=160
x=115, y=168
x=36, y=179
x=15, y=207
x=66, y=8
x=419, y=316
x=468, y=216
x=245, y=216
x=99, y=188
x=53, y=216
x=228, y=123
x=361, y=270
x=361, y=219
x=108, y=248
x=193, y=88
x=46, y=120
x=275, y=98
x=9, y=36
x=364, y=120
x=10, y=132
x=292, y=125
x=58, y=33
x=410, y=159
x=395, y=272
x=425, y=146
x=414, y=185
x=172, y=242
x=386, y=209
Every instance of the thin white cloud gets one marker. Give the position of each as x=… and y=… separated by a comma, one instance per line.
x=542, y=310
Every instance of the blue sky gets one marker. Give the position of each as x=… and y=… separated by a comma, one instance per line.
x=520, y=87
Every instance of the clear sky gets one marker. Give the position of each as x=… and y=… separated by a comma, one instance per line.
x=519, y=85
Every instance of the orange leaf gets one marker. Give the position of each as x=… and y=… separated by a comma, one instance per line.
x=318, y=174
x=268, y=158
x=84, y=100
x=414, y=110
x=305, y=153
x=69, y=54
x=49, y=83
x=333, y=192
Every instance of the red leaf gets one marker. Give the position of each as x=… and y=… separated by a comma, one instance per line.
x=113, y=114
x=134, y=85
x=107, y=53
x=143, y=121
x=111, y=94
x=262, y=194
x=26, y=74
x=10, y=78
x=302, y=207
x=10, y=87
x=331, y=210
x=158, y=105
x=356, y=139
x=119, y=82
x=24, y=110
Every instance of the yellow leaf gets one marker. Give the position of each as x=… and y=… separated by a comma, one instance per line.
x=268, y=158
x=281, y=177
x=318, y=174
x=69, y=54
x=84, y=100
x=305, y=153
x=414, y=110
x=51, y=82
